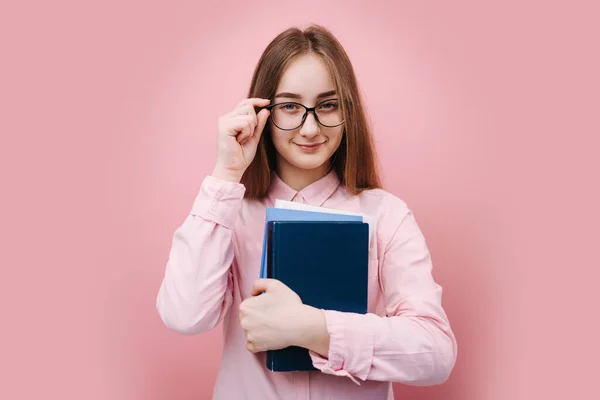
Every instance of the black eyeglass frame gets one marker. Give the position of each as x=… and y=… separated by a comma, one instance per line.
x=306, y=111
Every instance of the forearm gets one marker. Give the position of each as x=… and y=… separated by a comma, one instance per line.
x=193, y=295
x=409, y=349
x=196, y=288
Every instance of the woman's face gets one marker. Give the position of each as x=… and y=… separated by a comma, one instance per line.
x=310, y=146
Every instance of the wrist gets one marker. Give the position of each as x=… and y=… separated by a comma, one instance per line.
x=227, y=174
x=312, y=331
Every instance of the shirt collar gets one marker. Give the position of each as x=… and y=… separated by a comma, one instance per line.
x=314, y=194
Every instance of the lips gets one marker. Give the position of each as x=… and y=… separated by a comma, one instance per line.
x=309, y=147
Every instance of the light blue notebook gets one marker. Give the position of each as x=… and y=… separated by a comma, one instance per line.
x=282, y=214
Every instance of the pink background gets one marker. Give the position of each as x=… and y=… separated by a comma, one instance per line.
x=486, y=121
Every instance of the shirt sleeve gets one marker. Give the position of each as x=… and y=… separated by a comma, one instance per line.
x=413, y=343
x=196, y=290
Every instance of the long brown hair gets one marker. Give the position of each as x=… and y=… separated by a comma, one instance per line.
x=354, y=161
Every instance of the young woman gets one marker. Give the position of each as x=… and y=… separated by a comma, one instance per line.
x=302, y=135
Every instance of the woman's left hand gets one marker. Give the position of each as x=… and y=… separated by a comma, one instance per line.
x=274, y=319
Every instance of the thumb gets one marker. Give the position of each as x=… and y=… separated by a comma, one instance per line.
x=262, y=285
x=262, y=117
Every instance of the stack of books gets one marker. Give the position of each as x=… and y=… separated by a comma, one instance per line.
x=322, y=255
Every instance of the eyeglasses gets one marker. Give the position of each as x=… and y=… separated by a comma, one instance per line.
x=288, y=116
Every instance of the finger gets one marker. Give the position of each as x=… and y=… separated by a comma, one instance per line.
x=246, y=109
x=251, y=131
x=251, y=107
x=244, y=323
x=251, y=347
x=246, y=120
x=244, y=136
x=262, y=118
x=253, y=120
x=247, y=305
x=262, y=285
x=254, y=101
x=241, y=127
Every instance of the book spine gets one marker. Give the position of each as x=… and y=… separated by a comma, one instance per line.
x=271, y=256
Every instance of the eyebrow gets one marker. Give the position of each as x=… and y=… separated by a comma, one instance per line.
x=297, y=96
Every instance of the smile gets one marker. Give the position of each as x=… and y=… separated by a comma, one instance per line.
x=309, y=148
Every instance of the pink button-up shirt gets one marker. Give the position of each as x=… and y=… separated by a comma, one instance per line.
x=215, y=258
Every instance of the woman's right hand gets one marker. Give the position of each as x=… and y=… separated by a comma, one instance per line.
x=238, y=137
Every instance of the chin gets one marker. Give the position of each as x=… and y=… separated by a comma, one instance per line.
x=308, y=165
x=306, y=161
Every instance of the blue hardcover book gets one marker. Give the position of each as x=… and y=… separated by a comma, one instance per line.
x=326, y=264
x=282, y=214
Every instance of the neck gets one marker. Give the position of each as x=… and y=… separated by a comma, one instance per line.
x=298, y=178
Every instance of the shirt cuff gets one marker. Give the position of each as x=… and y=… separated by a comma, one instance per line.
x=350, y=346
x=219, y=201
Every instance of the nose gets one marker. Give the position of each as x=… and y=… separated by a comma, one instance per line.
x=310, y=128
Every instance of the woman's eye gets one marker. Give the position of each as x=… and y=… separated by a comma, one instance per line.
x=329, y=106
x=288, y=107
